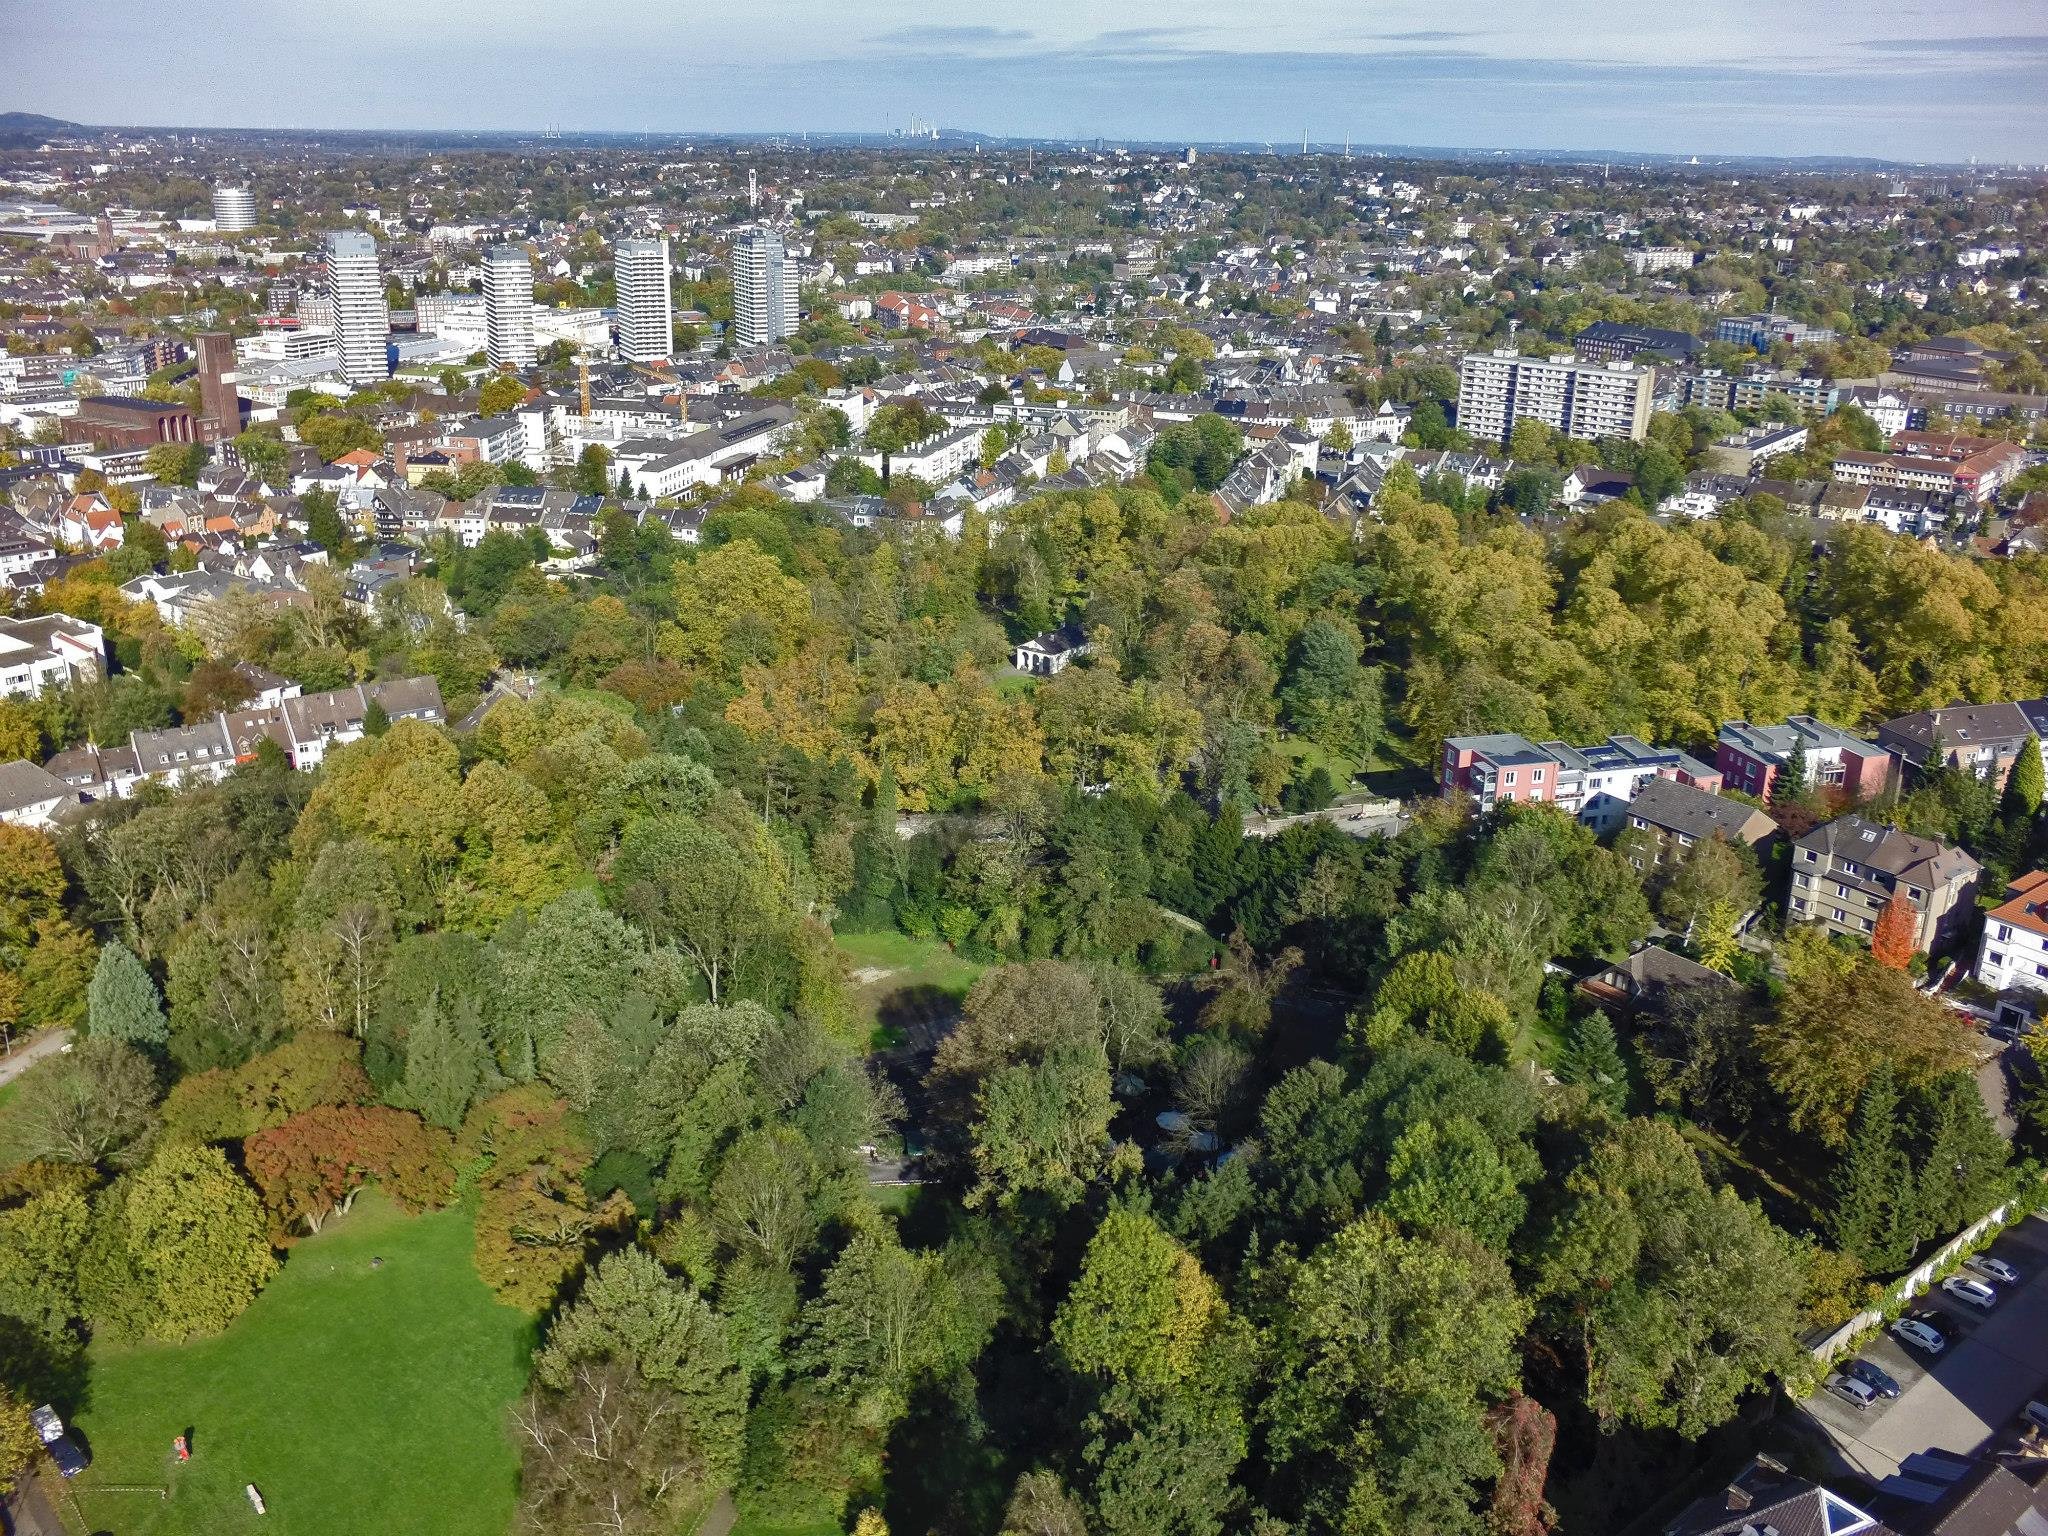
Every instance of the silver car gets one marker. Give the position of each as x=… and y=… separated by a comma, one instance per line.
x=1992, y=1269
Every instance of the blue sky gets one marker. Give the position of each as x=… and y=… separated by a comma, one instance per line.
x=1905, y=81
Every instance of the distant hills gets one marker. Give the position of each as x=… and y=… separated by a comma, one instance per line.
x=33, y=125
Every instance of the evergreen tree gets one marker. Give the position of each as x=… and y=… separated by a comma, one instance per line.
x=1789, y=785
x=1592, y=1059
x=445, y=1061
x=1875, y=1219
x=2023, y=786
x=122, y=1002
x=1962, y=1156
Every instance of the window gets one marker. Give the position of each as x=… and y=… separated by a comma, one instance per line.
x=1841, y=916
x=2004, y=933
x=1511, y=776
x=1994, y=957
x=1809, y=855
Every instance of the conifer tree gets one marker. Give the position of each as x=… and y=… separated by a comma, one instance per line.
x=1592, y=1059
x=122, y=1001
x=1875, y=1219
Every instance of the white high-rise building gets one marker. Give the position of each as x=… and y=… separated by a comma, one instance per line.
x=233, y=208
x=764, y=289
x=508, y=307
x=362, y=324
x=1588, y=401
x=646, y=316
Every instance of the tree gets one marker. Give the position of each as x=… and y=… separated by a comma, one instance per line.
x=1679, y=1299
x=1386, y=1350
x=324, y=525
x=94, y=1106
x=1043, y=1128
x=2024, y=785
x=1835, y=1027
x=609, y=1451
x=1141, y=1308
x=1448, y=1173
x=499, y=395
x=175, y=463
x=122, y=1003
x=1041, y=1506
x=194, y=1235
x=1524, y=1433
x=314, y=1163
x=633, y=1313
x=686, y=884
x=1895, y=940
x=1875, y=1218
x=1592, y=1059
x=19, y=1442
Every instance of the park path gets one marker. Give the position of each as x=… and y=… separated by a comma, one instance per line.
x=18, y=1062
x=720, y=1519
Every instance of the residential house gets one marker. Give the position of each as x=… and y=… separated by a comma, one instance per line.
x=1592, y=783
x=2013, y=954
x=1751, y=757
x=47, y=652
x=1048, y=654
x=31, y=796
x=1645, y=979
x=1984, y=739
x=1846, y=870
x=1764, y=1496
x=1673, y=818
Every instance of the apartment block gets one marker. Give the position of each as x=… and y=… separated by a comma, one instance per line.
x=1582, y=400
x=1752, y=756
x=1843, y=874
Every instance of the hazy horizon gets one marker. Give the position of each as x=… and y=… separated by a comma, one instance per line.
x=1798, y=78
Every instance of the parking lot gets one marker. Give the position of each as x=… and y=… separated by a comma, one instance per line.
x=1956, y=1401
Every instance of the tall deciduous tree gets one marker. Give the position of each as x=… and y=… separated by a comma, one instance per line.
x=1141, y=1307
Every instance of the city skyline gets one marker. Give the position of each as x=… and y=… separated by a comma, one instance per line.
x=1811, y=77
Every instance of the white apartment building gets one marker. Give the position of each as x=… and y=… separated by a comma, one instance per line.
x=47, y=652
x=362, y=324
x=508, y=308
x=1582, y=400
x=1661, y=258
x=2013, y=954
x=234, y=208
x=764, y=289
x=646, y=313
x=935, y=460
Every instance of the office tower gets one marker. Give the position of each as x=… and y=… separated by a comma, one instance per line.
x=646, y=318
x=355, y=292
x=508, y=307
x=1582, y=400
x=764, y=298
x=233, y=208
x=220, y=410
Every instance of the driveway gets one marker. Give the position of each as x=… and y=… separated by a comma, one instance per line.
x=20, y=1060
x=1971, y=1392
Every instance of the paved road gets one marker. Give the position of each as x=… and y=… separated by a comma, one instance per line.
x=18, y=1062
x=1964, y=1397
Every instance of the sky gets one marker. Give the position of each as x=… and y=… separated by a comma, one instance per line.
x=1906, y=81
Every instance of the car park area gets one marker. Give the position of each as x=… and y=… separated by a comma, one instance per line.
x=1995, y=1362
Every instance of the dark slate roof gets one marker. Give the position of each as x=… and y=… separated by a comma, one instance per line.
x=1698, y=813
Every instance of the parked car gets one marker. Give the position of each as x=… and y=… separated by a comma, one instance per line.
x=1910, y=1330
x=2035, y=1414
x=1974, y=1293
x=1878, y=1380
x=70, y=1459
x=1992, y=1269
x=48, y=1426
x=1857, y=1394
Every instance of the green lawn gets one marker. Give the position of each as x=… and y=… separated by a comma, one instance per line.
x=355, y=1399
x=898, y=980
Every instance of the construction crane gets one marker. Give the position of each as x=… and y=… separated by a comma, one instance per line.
x=647, y=371
x=583, y=379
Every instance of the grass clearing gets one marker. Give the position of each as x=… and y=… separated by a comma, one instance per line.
x=355, y=1399
x=900, y=982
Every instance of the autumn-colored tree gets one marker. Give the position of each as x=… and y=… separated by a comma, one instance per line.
x=1894, y=941
x=1524, y=1433
x=315, y=1162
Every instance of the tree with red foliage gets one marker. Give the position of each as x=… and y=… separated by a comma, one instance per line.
x=1895, y=939
x=317, y=1161
x=1524, y=1433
